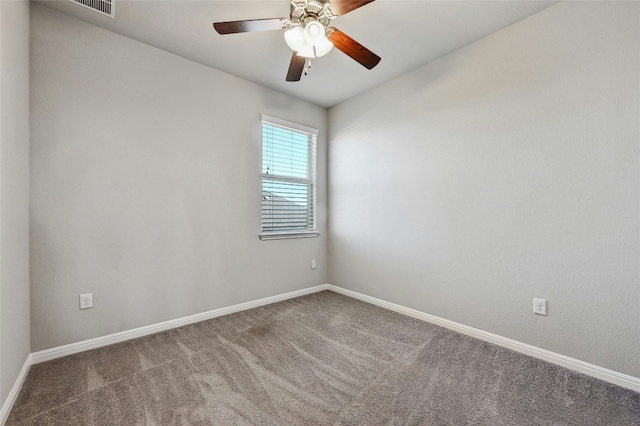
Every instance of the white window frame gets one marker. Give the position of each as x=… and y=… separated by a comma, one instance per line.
x=311, y=180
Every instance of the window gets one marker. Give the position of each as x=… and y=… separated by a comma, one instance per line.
x=288, y=180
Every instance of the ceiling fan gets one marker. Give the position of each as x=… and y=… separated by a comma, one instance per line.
x=308, y=33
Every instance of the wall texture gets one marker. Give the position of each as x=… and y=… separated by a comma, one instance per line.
x=504, y=171
x=14, y=192
x=146, y=186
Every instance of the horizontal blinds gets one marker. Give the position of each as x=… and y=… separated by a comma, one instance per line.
x=288, y=179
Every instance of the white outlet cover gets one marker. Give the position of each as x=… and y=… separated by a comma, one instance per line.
x=539, y=306
x=86, y=301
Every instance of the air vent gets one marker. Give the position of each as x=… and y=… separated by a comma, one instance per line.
x=101, y=6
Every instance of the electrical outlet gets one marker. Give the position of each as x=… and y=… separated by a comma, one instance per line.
x=86, y=301
x=540, y=306
x=313, y=264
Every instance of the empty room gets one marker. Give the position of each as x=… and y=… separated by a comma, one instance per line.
x=319, y=212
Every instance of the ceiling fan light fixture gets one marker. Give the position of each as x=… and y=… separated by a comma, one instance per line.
x=295, y=38
x=308, y=33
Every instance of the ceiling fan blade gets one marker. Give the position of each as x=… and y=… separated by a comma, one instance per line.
x=233, y=27
x=352, y=48
x=341, y=7
x=296, y=67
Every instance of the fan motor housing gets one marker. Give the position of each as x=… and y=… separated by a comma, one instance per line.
x=302, y=12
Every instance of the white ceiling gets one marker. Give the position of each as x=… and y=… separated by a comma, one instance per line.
x=406, y=34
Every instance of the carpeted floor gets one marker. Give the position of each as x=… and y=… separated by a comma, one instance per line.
x=322, y=359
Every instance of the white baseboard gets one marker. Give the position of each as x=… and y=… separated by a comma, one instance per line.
x=611, y=376
x=592, y=370
x=15, y=390
x=72, y=348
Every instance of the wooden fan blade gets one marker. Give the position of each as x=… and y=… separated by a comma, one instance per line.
x=341, y=7
x=352, y=48
x=233, y=27
x=296, y=67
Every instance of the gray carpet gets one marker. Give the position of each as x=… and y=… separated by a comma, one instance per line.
x=322, y=359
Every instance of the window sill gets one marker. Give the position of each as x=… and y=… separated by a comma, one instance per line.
x=288, y=235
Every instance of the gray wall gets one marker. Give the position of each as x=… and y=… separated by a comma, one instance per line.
x=504, y=171
x=146, y=186
x=14, y=192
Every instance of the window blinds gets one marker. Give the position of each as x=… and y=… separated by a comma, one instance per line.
x=288, y=179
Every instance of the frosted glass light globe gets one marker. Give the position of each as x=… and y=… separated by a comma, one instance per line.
x=323, y=46
x=295, y=38
x=306, y=51
x=313, y=32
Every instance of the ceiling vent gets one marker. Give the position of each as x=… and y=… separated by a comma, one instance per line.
x=101, y=6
